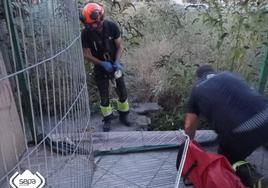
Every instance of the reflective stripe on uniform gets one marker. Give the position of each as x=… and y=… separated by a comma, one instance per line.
x=255, y=122
x=106, y=110
x=123, y=106
x=238, y=163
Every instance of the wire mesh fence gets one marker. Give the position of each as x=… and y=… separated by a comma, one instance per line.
x=44, y=102
x=139, y=159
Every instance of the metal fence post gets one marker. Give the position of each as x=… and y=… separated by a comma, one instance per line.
x=19, y=65
x=264, y=72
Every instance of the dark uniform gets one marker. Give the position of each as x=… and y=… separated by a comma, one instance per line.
x=102, y=46
x=238, y=113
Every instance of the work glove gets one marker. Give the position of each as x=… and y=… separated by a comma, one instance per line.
x=118, y=65
x=107, y=66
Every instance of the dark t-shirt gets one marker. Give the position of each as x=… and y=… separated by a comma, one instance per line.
x=226, y=101
x=102, y=44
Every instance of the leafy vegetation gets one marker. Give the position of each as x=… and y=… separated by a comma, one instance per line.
x=240, y=26
x=166, y=42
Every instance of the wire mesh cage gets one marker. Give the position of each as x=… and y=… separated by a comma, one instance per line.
x=44, y=102
x=139, y=159
x=183, y=158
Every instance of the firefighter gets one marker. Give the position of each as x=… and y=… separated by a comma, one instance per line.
x=103, y=46
x=237, y=113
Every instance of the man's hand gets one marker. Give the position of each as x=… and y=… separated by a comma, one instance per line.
x=118, y=65
x=107, y=66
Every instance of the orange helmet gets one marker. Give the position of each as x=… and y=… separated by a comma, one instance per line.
x=93, y=13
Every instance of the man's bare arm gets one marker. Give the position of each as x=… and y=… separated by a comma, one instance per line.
x=119, y=47
x=89, y=57
x=190, y=124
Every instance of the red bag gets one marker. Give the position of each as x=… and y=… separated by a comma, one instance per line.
x=208, y=170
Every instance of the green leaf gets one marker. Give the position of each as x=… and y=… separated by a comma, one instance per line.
x=238, y=54
x=219, y=43
x=195, y=20
x=223, y=36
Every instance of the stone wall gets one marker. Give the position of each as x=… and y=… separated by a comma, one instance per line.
x=12, y=143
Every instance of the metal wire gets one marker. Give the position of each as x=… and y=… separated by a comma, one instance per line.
x=49, y=94
x=133, y=161
x=187, y=141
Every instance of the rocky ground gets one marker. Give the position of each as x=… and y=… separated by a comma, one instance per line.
x=139, y=116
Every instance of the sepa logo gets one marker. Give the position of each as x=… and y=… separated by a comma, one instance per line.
x=27, y=180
